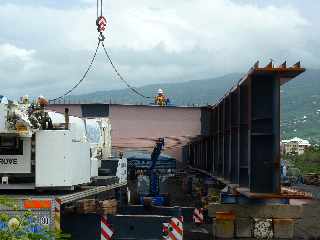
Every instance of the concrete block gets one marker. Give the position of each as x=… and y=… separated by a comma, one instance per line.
x=224, y=228
x=283, y=228
x=263, y=229
x=243, y=227
x=279, y=211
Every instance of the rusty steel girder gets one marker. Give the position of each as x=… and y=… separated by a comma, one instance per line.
x=241, y=144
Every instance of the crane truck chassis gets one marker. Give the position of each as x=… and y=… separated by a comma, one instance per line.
x=49, y=161
x=48, y=208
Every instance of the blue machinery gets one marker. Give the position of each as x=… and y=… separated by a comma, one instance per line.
x=154, y=178
x=153, y=167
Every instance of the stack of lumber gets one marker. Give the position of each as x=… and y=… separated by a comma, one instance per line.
x=86, y=206
x=108, y=206
x=312, y=179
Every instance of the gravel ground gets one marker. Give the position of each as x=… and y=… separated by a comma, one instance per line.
x=308, y=227
x=315, y=190
x=177, y=196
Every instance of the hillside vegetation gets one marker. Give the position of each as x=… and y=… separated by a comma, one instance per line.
x=300, y=107
x=308, y=162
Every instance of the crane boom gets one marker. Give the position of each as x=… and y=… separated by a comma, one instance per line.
x=154, y=179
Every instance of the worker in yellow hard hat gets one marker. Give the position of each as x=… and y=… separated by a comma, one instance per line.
x=161, y=99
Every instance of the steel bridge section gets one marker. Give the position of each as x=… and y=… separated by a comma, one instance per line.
x=240, y=142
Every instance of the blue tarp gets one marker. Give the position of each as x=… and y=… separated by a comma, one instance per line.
x=142, y=160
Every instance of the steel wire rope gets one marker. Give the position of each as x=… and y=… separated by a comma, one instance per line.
x=101, y=39
x=83, y=77
x=101, y=7
x=120, y=76
x=97, y=9
x=101, y=3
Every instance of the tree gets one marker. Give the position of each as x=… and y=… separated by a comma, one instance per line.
x=308, y=162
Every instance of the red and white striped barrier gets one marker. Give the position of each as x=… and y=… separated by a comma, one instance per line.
x=106, y=230
x=173, y=230
x=165, y=230
x=198, y=215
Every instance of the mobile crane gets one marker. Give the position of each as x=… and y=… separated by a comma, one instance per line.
x=50, y=161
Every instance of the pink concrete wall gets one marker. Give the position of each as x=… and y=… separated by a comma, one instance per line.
x=136, y=127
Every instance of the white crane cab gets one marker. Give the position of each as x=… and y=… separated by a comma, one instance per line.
x=66, y=154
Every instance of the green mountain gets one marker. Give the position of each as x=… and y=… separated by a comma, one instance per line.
x=300, y=107
x=199, y=92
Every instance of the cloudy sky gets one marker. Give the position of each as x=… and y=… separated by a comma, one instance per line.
x=45, y=45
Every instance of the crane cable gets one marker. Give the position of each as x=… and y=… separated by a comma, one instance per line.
x=101, y=39
x=83, y=77
x=111, y=62
x=98, y=8
x=133, y=89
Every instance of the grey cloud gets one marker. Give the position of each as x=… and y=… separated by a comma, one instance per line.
x=57, y=4
x=170, y=41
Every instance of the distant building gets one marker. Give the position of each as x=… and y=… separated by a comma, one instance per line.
x=295, y=145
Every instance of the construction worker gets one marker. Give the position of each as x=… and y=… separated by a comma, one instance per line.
x=25, y=99
x=42, y=102
x=161, y=99
x=38, y=117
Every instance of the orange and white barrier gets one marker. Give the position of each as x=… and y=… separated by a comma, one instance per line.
x=198, y=215
x=106, y=230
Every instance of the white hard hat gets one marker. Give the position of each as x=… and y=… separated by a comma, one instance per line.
x=160, y=91
x=25, y=97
